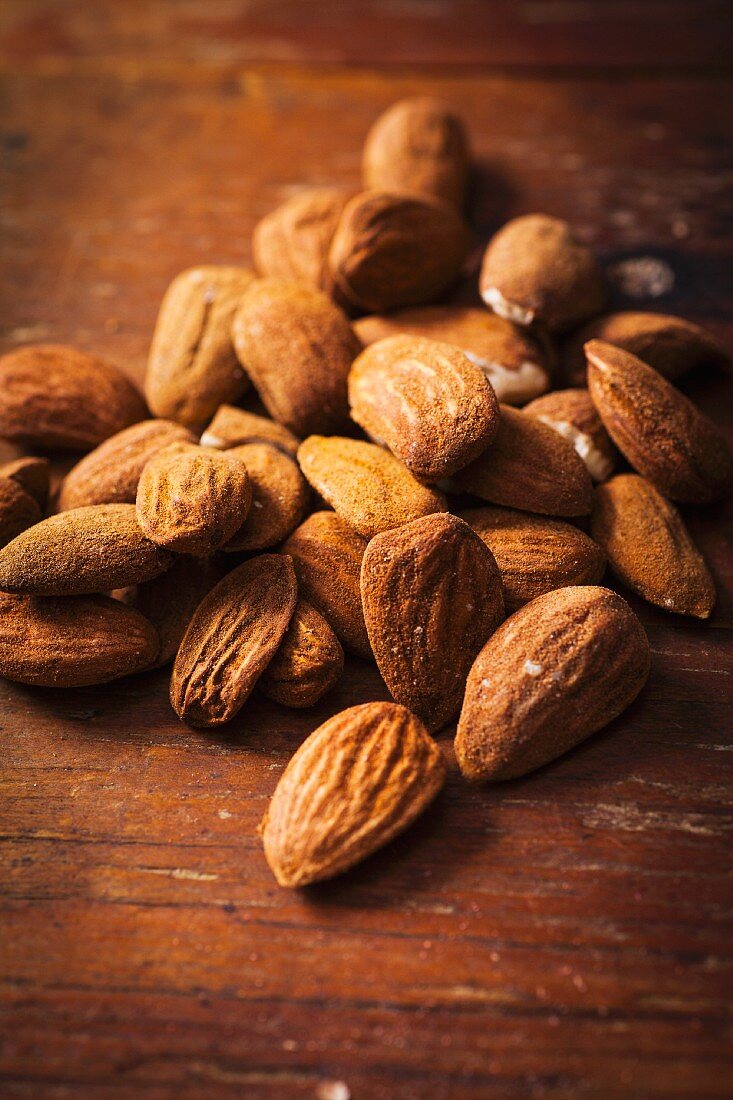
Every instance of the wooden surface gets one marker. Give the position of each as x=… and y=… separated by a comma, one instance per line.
x=567, y=935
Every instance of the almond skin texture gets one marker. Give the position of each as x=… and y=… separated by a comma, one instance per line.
x=418, y=145
x=432, y=595
x=110, y=473
x=354, y=784
x=662, y=434
x=649, y=548
x=72, y=642
x=233, y=427
x=557, y=670
x=193, y=499
x=365, y=485
x=58, y=398
x=232, y=637
x=85, y=550
x=430, y=405
x=574, y=416
x=535, y=271
x=327, y=556
x=18, y=510
x=297, y=347
x=393, y=250
x=280, y=497
x=32, y=474
x=535, y=554
x=529, y=466
x=308, y=663
x=292, y=242
x=513, y=361
x=192, y=367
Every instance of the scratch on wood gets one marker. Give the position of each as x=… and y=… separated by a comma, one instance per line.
x=632, y=819
x=179, y=872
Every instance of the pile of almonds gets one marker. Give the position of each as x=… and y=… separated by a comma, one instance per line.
x=396, y=502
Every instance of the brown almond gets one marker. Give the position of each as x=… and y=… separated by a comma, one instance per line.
x=292, y=242
x=432, y=595
x=574, y=416
x=232, y=637
x=557, y=670
x=662, y=434
x=18, y=510
x=32, y=474
x=9, y=452
x=308, y=663
x=233, y=427
x=649, y=547
x=354, y=784
x=280, y=497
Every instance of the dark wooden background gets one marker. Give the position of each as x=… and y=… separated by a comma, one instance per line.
x=567, y=935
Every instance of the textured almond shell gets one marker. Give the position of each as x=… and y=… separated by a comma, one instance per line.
x=308, y=663
x=233, y=427
x=354, y=784
x=292, y=242
x=574, y=416
x=280, y=497
x=169, y=601
x=18, y=510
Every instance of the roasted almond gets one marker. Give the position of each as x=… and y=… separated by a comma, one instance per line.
x=292, y=242
x=574, y=416
x=354, y=784
x=557, y=670
x=649, y=547
x=529, y=465
x=32, y=474
x=192, y=367
x=308, y=663
x=426, y=401
x=56, y=397
x=232, y=637
x=233, y=427
x=662, y=434
x=432, y=595
x=365, y=485
x=280, y=497
x=169, y=600
x=18, y=510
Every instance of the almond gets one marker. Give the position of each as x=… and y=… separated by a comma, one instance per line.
x=354, y=784
x=192, y=499
x=233, y=427
x=557, y=670
x=18, y=510
x=418, y=145
x=110, y=473
x=574, y=416
x=82, y=551
x=32, y=474
x=535, y=554
x=192, y=368
x=232, y=637
x=58, y=398
x=292, y=242
x=529, y=466
x=662, y=434
x=169, y=600
x=649, y=548
x=392, y=250
x=297, y=347
x=432, y=595
x=327, y=556
x=511, y=358
x=308, y=663
x=535, y=271
x=426, y=401
x=280, y=497
x=72, y=642
x=9, y=452
x=365, y=485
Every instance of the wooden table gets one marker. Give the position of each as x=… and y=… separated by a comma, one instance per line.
x=566, y=935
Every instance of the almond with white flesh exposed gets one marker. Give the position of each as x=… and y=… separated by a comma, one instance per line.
x=32, y=474
x=560, y=668
x=432, y=595
x=292, y=242
x=357, y=782
x=649, y=547
x=308, y=663
x=574, y=416
x=169, y=600
x=426, y=401
x=662, y=434
x=18, y=510
x=233, y=427
x=280, y=497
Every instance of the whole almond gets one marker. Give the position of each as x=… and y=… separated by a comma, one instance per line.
x=391, y=250
x=426, y=401
x=82, y=551
x=193, y=499
x=649, y=547
x=18, y=510
x=418, y=145
x=535, y=271
x=292, y=242
x=297, y=347
x=354, y=784
x=535, y=554
x=72, y=642
x=432, y=595
x=56, y=397
x=529, y=466
x=557, y=670
x=308, y=663
x=574, y=416
x=365, y=485
x=514, y=362
x=233, y=635
x=192, y=367
x=169, y=600
x=233, y=427
x=662, y=434
x=32, y=474
x=110, y=473
x=327, y=556
x=280, y=497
